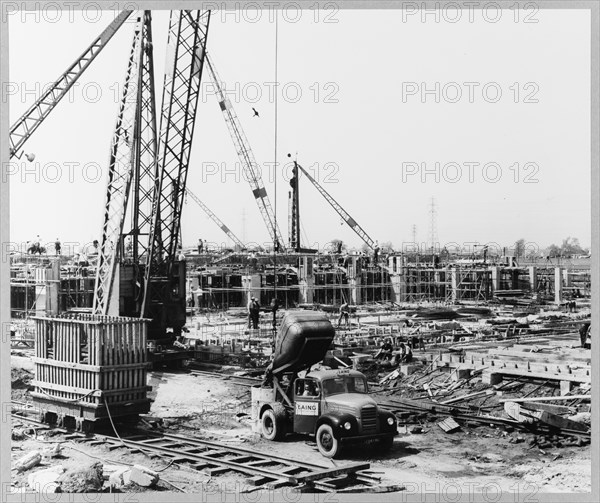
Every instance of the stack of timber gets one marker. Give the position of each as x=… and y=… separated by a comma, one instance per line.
x=90, y=367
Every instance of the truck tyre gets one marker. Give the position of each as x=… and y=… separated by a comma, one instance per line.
x=385, y=444
x=328, y=445
x=273, y=423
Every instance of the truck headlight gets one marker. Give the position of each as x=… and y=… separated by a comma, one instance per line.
x=391, y=421
x=347, y=425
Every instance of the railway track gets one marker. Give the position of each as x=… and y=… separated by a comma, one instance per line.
x=264, y=471
x=241, y=380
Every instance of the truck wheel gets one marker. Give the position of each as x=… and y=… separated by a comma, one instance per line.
x=273, y=424
x=328, y=445
x=385, y=444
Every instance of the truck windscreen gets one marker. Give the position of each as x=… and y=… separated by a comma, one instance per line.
x=344, y=384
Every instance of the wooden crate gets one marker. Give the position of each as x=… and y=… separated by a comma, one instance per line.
x=88, y=367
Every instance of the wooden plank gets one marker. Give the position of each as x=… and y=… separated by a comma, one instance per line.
x=84, y=366
x=467, y=397
x=449, y=425
x=64, y=388
x=548, y=398
x=554, y=409
x=258, y=480
x=330, y=473
x=553, y=420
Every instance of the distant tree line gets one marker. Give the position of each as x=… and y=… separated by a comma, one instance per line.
x=569, y=247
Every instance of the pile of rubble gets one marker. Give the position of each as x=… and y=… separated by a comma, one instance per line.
x=544, y=388
x=46, y=474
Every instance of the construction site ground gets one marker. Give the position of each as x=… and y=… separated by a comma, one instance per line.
x=474, y=459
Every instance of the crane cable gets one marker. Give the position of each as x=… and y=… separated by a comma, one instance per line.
x=275, y=238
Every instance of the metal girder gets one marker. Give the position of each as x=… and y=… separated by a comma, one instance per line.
x=353, y=224
x=214, y=218
x=120, y=169
x=186, y=47
x=24, y=127
x=146, y=148
x=247, y=159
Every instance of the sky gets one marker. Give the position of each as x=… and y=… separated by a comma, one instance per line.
x=386, y=110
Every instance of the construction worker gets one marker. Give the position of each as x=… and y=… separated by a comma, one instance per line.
x=385, y=351
x=408, y=355
x=253, y=313
x=200, y=245
x=376, y=253
x=344, y=314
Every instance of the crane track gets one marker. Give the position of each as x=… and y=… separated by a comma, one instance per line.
x=264, y=470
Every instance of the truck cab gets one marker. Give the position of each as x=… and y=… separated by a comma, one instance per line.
x=333, y=405
x=336, y=407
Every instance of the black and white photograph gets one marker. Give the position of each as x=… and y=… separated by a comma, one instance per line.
x=299, y=251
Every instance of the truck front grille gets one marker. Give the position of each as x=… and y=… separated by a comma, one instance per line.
x=368, y=419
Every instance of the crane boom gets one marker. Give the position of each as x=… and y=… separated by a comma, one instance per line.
x=246, y=156
x=163, y=290
x=146, y=143
x=353, y=224
x=120, y=170
x=214, y=218
x=24, y=127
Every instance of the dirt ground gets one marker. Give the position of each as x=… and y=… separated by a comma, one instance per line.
x=472, y=460
x=475, y=455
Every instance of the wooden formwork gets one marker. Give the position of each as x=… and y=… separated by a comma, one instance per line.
x=90, y=367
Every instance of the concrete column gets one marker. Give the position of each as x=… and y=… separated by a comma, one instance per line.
x=533, y=278
x=355, y=293
x=566, y=278
x=251, y=286
x=558, y=285
x=306, y=280
x=436, y=285
x=354, y=281
x=454, y=283
x=307, y=289
x=52, y=284
x=496, y=275
x=398, y=286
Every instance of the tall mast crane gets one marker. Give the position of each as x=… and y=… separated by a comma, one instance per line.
x=247, y=159
x=120, y=170
x=214, y=218
x=295, y=210
x=164, y=280
x=146, y=148
x=25, y=126
x=353, y=224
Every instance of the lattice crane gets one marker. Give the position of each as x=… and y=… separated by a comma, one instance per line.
x=214, y=218
x=247, y=159
x=353, y=224
x=164, y=284
x=26, y=125
x=120, y=172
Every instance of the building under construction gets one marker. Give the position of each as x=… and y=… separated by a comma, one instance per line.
x=411, y=337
